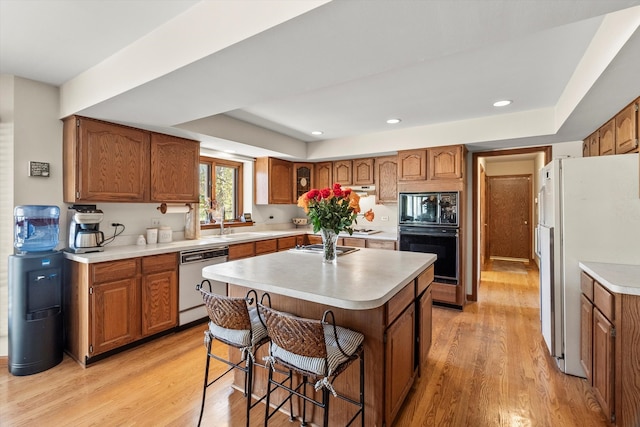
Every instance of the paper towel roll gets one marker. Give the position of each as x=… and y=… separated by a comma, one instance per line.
x=173, y=209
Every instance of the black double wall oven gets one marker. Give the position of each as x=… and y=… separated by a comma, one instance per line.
x=428, y=222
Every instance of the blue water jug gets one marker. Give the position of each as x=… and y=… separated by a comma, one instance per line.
x=36, y=228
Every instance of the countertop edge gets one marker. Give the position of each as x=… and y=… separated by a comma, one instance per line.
x=618, y=278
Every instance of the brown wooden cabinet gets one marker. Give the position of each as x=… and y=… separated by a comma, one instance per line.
x=445, y=162
x=343, y=172
x=241, y=250
x=273, y=181
x=303, y=179
x=286, y=243
x=174, y=169
x=111, y=304
x=266, y=246
x=104, y=162
x=324, y=175
x=609, y=341
x=399, y=361
x=412, y=165
x=386, y=179
x=363, y=171
x=585, y=147
x=607, y=144
x=626, y=129
x=594, y=144
x=159, y=293
x=381, y=244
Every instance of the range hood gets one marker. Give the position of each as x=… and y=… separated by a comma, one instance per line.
x=363, y=190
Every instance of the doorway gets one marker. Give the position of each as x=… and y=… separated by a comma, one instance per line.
x=481, y=229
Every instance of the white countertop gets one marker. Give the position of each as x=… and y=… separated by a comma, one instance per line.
x=113, y=253
x=360, y=280
x=619, y=278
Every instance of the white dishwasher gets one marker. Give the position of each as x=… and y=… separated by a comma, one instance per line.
x=190, y=305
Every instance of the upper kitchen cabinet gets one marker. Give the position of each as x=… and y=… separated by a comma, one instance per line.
x=386, y=179
x=607, y=144
x=445, y=162
x=585, y=147
x=303, y=179
x=412, y=165
x=174, y=169
x=342, y=172
x=363, y=172
x=594, y=144
x=626, y=129
x=104, y=162
x=273, y=181
x=324, y=175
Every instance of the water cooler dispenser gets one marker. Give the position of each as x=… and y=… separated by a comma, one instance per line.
x=35, y=291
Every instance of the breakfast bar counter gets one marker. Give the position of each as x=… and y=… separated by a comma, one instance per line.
x=385, y=295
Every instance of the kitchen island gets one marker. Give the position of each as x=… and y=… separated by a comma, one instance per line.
x=385, y=295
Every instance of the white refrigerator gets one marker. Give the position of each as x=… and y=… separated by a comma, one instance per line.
x=588, y=210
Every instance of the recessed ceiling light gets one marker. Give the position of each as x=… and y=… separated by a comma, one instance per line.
x=503, y=103
x=393, y=121
x=317, y=132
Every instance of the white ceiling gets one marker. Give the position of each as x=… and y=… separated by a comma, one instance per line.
x=205, y=69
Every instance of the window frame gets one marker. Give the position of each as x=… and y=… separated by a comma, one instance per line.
x=212, y=162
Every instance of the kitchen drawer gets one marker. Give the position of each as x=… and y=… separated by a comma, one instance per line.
x=604, y=300
x=285, y=243
x=114, y=270
x=353, y=242
x=266, y=246
x=156, y=263
x=445, y=293
x=381, y=244
x=586, y=285
x=399, y=302
x=242, y=250
x=314, y=239
x=424, y=280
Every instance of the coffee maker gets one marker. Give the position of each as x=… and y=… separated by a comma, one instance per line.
x=84, y=229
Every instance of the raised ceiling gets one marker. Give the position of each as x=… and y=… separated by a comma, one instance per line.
x=259, y=76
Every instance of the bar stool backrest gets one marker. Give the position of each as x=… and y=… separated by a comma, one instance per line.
x=230, y=313
x=304, y=337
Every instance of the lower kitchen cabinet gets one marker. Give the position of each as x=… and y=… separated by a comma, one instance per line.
x=110, y=304
x=609, y=350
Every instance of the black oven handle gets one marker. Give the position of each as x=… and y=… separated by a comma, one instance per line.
x=430, y=233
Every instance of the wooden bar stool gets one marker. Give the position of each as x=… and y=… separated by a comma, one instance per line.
x=236, y=323
x=316, y=349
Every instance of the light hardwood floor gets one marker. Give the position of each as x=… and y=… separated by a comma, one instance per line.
x=487, y=367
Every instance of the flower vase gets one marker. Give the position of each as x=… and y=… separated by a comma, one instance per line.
x=329, y=246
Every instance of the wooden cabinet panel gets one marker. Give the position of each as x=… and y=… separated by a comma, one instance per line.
x=381, y=244
x=585, y=147
x=586, y=337
x=399, y=302
x=594, y=144
x=399, y=362
x=266, y=246
x=424, y=280
x=425, y=318
x=162, y=262
x=314, y=240
x=286, y=243
x=241, y=250
x=446, y=293
x=174, y=169
x=586, y=285
x=363, y=173
x=626, y=129
x=603, y=362
x=303, y=179
x=324, y=175
x=113, y=270
x=114, y=315
x=412, y=165
x=273, y=181
x=104, y=162
x=445, y=162
x=159, y=302
x=607, y=138
x=354, y=242
x=342, y=172
x=386, y=179
x=604, y=300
